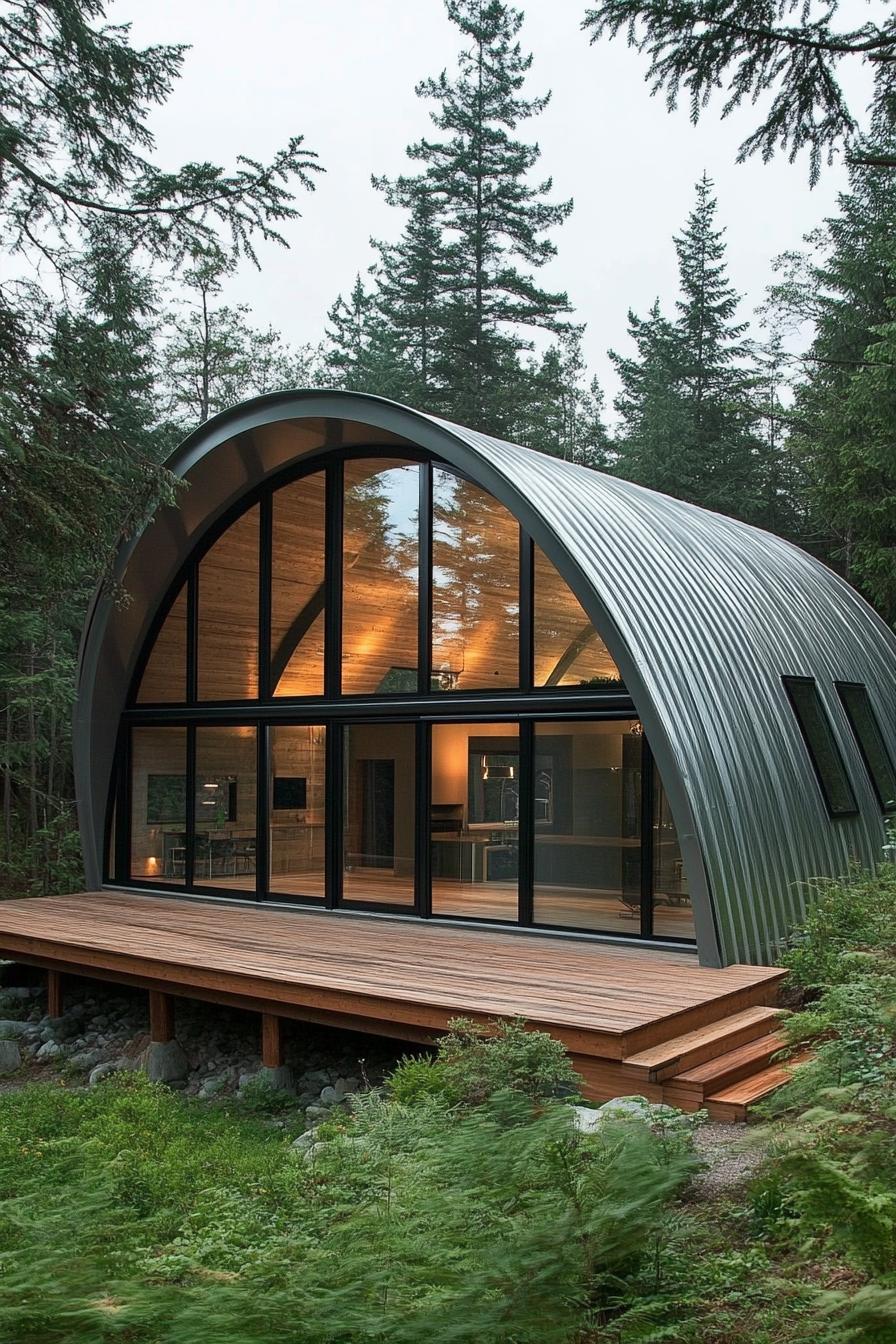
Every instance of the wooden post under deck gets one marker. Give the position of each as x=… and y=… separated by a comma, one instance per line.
x=54, y=993
x=271, y=1041
x=161, y=1016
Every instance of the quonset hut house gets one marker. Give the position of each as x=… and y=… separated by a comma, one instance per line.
x=388, y=691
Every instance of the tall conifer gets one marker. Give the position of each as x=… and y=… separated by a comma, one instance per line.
x=495, y=220
x=688, y=398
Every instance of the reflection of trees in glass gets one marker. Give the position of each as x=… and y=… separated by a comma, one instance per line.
x=166, y=799
x=381, y=567
x=379, y=530
x=475, y=585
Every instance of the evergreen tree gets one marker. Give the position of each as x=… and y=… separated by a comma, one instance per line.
x=845, y=404
x=80, y=436
x=361, y=352
x=493, y=217
x=214, y=357
x=410, y=284
x=687, y=400
x=751, y=50
x=654, y=424
x=562, y=414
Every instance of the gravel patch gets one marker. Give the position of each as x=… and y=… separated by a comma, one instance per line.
x=732, y=1154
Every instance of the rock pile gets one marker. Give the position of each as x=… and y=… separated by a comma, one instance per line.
x=104, y=1030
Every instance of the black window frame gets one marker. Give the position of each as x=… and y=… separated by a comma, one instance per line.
x=843, y=689
x=791, y=683
x=522, y=705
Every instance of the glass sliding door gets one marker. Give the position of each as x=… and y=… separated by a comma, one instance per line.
x=475, y=820
x=224, y=828
x=379, y=810
x=297, y=810
x=587, y=826
x=159, y=805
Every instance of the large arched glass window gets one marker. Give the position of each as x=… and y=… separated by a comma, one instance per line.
x=568, y=649
x=372, y=689
x=164, y=679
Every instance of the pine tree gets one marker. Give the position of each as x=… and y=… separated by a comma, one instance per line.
x=726, y=457
x=493, y=217
x=214, y=357
x=560, y=413
x=845, y=404
x=655, y=425
x=688, y=398
x=752, y=50
x=361, y=352
x=409, y=297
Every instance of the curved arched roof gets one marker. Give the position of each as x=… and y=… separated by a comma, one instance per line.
x=702, y=614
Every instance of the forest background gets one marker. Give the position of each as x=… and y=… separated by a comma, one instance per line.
x=120, y=330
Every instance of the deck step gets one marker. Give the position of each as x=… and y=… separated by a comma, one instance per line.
x=731, y=1104
x=689, y=1089
x=693, y=1048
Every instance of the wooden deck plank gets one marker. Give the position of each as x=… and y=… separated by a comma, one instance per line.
x=597, y=997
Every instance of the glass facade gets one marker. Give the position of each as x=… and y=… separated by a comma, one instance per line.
x=587, y=825
x=227, y=597
x=298, y=548
x=475, y=588
x=568, y=650
x=475, y=821
x=225, y=843
x=378, y=820
x=297, y=810
x=388, y=697
x=164, y=679
x=380, y=574
x=158, y=848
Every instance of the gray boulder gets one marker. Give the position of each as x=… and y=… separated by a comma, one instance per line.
x=304, y=1141
x=329, y=1096
x=10, y=1057
x=101, y=1071
x=281, y=1079
x=166, y=1062
x=49, y=1050
x=85, y=1060
x=211, y=1087
x=11, y=1030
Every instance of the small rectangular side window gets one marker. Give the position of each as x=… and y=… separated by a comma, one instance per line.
x=821, y=745
x=864, y=723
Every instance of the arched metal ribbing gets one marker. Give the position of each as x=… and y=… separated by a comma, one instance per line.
x=703, y=616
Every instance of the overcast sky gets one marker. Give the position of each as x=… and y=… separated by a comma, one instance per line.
x=343, y=73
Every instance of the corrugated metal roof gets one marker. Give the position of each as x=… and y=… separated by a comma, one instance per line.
x=703, y=614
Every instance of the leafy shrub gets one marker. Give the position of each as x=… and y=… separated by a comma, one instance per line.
x=475, y=1062
x=258, y=1096
x=850, y=928
x=416, y=1078
x=830, y=1184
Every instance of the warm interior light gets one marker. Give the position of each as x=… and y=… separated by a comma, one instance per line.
x=152, y=864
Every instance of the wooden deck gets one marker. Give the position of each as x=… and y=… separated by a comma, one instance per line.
x=608, y=1004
